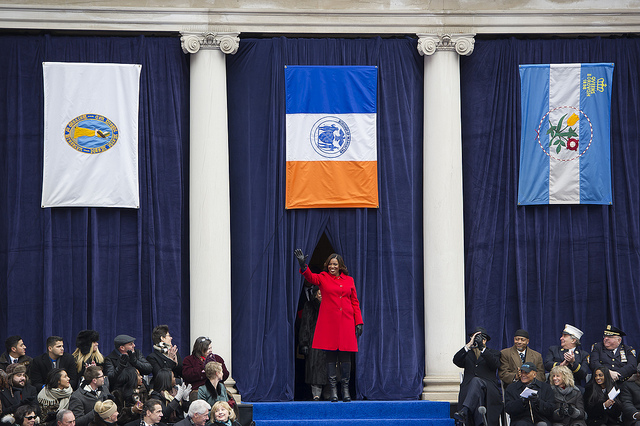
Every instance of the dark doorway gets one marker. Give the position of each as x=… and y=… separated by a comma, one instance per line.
x=316, y=262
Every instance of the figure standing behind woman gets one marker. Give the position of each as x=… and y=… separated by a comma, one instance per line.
x=316, y=361
x=601, y=410
x=339, y=319
x=55, y=394
x=87, y=353
x=193, y=365
x=569, y=405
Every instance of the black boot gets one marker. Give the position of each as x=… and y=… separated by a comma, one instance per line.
x=345, y=374
x=332, y=372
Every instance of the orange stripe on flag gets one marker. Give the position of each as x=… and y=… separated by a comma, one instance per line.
x=326, y=184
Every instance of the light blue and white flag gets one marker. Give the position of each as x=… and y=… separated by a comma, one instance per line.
x=565, y=153
x=90, y=135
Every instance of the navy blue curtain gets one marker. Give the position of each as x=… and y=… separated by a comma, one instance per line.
x=114, y=270
x=539, y=267
x=382, y=247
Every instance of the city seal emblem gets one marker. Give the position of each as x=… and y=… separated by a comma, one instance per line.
x=91, y=133
x=330, y=137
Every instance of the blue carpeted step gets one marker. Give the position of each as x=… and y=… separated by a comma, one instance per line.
x=363, y=413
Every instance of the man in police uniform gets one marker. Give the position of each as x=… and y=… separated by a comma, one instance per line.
x=569, y=354
x=615, y=355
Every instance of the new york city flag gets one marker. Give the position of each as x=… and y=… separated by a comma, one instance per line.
x=565, y=154
x=331, y=136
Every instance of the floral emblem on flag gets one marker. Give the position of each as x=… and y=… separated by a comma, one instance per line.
x=563, y=134
x=91, y=133
x=330, y=137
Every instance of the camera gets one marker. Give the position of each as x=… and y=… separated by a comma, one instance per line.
x=478, y=341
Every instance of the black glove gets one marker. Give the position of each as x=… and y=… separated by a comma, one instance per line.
x=534, y=399
x=358, y=330
x=302, y=259
x=304, y=350
x=565, y=411
x=480, y=345
x=133, y=357
x=558, y=414
x=124, y=359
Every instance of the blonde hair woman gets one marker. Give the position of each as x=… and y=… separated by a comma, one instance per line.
x=223, y=414
x=569, y=405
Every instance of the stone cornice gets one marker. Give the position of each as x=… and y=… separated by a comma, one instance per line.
x=317, y=21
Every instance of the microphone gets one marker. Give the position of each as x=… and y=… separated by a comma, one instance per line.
x=482, y=410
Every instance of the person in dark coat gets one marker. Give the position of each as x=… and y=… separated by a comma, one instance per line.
x=601, y=410
x=198, y=414
x=569, y=405
x=84, y=399
x=55, y=357
x=16, y=353
x=570, y=354
x=174, y=399
x=630, y=399
x=105, y=413
x=165, y=354
x=479, y=386
x=151, y=414
x=19, y=391
x=534, y=409
x=130, y=393
x=619, y=358
x=316, y=361
x=124, y=355
x=88, y=353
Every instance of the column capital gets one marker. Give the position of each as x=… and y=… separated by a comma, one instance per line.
x=428, y=44
x=227, y=42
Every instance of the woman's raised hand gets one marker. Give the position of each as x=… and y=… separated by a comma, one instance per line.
x=302, y=259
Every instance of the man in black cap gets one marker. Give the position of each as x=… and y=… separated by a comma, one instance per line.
x=529, y=401
x=512, y=358
x=124, y=355
x=619, y=358
x=479, y=387
x=569, y=354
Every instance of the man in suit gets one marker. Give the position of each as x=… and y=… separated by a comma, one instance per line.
x=151, y=414
x=83, y=400
x=512, y=358
x=55, y=357
x=569, y=354
x=533, y=406
x=615, y=355
x=480, y=384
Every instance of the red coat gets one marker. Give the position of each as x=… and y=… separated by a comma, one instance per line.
x=339, y=312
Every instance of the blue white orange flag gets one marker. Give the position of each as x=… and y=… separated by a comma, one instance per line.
x=565, y=152
x=90, y=135
x=331, y=136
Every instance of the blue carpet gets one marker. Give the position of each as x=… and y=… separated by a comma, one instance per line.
x=356, y=413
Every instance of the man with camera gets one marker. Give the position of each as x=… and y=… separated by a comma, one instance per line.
x=479, y=400
x=124, y=355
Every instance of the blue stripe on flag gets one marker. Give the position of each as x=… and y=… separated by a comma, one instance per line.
x=595, y=165
x=331, y=89
x=533, y=186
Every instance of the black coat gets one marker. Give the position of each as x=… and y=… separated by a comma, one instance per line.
x=573, y=399
x=594, y=397
x=630, y=398
x=24, y=360
x=624, y=361
x=580, y=367
x=485, y=367
x=521, y=409
x=13, y=398
x=172, y=412
x=41, y=365
x=316, y=359
x=158, y=361
x=118, y=364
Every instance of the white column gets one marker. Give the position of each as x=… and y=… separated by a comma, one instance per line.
x=209, y=216
x=443, y=219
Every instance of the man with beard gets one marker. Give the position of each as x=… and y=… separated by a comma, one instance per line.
x=529, y=401
x=19, y=392
x=126, y=355
x=512, y=358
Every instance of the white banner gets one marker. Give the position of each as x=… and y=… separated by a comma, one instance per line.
x=90, y=135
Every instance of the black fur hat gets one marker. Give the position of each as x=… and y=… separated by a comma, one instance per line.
x=85, y=339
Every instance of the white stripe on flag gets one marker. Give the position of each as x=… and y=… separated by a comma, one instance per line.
x=564, y=167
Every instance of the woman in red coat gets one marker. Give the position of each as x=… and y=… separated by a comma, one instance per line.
x=339, y=320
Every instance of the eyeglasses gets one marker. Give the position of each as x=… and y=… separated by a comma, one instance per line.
x=30, y=417
x=99, y=377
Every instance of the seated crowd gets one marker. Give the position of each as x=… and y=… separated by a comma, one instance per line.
x=596, y=387
x=86, y=388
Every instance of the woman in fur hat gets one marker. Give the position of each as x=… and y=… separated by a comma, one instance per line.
x=87, y=353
